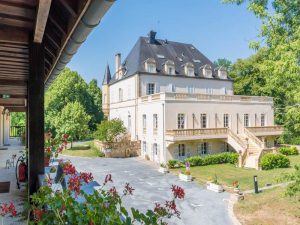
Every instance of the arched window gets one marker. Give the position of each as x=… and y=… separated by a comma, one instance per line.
x=189, y=69
x=222, y=73
x=120, y=95
x=207, y=71
x=169, y=67
x=150, y=65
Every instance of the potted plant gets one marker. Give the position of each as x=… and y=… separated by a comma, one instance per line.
x=214, y=185
x=186, y=175
x=163, y=168
x=52, y=172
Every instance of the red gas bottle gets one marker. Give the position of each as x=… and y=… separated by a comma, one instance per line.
x=22, y=172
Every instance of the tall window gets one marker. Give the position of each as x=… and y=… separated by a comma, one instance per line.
x=129, y=122
x=226, y=120
x=203, y=148
x=120, y=94
x=190, y=89
x=144, y=122
x=226, y=147
x=172, y=88
x=180, y=121
x=262, y=120
x=246, y=120
x=155, y=149
x=181, y=150
x=171, y=70
x=155, y=122
x=150, y=88
x=151, y=68
x=203, y=120
x=144, y=146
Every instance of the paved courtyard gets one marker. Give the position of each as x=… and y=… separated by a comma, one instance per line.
x=200, y=207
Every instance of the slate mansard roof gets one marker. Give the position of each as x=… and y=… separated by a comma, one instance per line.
x=162, y=51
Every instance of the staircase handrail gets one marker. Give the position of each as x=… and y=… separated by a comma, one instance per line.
x=237, y=139
x=254, y=139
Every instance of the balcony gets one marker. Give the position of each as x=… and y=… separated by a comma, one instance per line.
x=266, y=131
x=204, y=97
x=196, y=134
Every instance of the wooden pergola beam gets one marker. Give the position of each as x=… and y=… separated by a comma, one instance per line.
x=13, y=35
x=12, y=102
x=16, y=109
x=41, y=20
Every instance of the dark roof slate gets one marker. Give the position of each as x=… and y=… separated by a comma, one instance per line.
x=107, y=76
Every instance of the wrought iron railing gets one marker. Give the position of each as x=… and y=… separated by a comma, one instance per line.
x=17, y=131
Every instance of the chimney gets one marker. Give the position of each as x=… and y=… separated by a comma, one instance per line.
x=152, y=35
x=118, y=64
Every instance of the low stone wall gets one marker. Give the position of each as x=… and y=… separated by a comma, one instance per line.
x=122, y=149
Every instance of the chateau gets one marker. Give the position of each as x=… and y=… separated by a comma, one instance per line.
x=179, y=104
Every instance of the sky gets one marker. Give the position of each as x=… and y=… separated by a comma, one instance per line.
x=218, y=30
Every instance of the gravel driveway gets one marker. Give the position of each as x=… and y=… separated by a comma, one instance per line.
x=200, y=206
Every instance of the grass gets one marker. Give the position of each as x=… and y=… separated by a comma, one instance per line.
x=270, y=207
x=80, y=150
x=227, y=174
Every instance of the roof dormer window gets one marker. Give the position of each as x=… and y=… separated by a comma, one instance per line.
x=222, y=73
x=150, y=65
x=189, y=69
x=169, y=67
x=207, y=71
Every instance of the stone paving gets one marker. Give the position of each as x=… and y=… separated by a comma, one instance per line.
x=15, y=195
x=200, y=207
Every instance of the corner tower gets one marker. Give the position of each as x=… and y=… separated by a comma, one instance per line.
x=105, y=91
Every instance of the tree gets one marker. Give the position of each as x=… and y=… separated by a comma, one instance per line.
x=275, y=68
x=223, y=62
x=18, y=119
x=69, y=87
x=109, y=130
x=72, y=120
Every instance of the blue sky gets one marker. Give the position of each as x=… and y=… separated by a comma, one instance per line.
x=218, y=30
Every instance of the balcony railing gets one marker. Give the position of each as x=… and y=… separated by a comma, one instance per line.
x=17, y=131
x=193, y=134
x=266, y=130
x=204, y=97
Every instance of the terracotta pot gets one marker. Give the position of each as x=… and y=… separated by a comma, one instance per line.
x=46, y=160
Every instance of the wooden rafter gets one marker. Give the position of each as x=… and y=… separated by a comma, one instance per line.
x=18, y=11
x=13, y=35
x=41, y=20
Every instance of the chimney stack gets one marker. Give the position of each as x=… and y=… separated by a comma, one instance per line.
x=118, y=64
x=152, y=35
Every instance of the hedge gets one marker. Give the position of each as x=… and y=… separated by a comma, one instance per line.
x=271, y=161
x=288, y=150
x=225, y=157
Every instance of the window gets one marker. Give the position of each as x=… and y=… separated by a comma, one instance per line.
x=172, y=88
x=180, y=121
x=222, y=73
x=129, y=123
x=226, y=147
x=144, y=146
x=169, y=67
x=144, y=122
x=190, y=89
x=150, y=88
x=190, y=72
x=246, y=120
x=120, y=95
x=203, y=120
x=207, y=71
x=203, y=148
x=171, y=70
x=181, y=150
x=150, y=65
x=262, y=120
x=104, y=98
x=226, y=120
x=155, y=149
x=189, y=69
x=155, y=121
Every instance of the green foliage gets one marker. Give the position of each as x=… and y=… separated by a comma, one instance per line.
x=72, y=120
x=271, y=161
x=69, y=87
x=274, y=70
x=109, y=130
x=225, y=157
x=288, y=151
x=223, y=62
x=18, y=119
x=293, y=189
x=173, y=163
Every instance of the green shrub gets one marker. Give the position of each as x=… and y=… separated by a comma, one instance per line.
x=271, y=161
x=288, y=150
x=173, y=163
x=225, y=157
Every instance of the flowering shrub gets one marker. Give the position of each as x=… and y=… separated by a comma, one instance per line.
x=104, y=206
x=54, y=146
x=7, y=209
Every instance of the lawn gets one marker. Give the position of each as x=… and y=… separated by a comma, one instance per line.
x=80, y=150
x=227, y=174
x=269, y=207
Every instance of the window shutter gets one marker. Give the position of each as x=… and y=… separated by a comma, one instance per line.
x=176, y=152
x=156, y=88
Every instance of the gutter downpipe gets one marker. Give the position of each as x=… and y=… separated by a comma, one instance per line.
x=90, y=19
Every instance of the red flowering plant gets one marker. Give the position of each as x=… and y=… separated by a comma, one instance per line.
x=7, y=209
x=54, y=146
x=103, y=206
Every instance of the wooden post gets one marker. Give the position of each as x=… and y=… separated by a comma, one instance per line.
x=36, y=115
